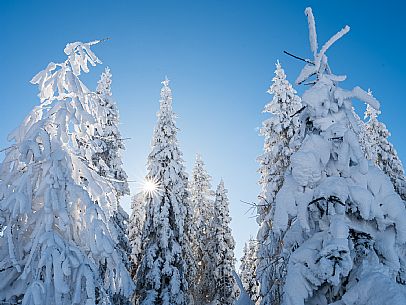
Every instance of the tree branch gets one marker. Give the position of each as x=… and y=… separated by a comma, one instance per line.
x=299, y=111
x=300, y=58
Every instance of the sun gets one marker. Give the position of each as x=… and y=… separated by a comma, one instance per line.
x=150, y=186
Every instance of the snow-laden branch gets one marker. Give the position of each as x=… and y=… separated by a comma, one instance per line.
x=332, y=40
x=312, y=30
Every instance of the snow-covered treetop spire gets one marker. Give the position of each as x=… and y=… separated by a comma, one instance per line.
x=165, y=82
x=370, y=112
x=325, y=80
x=220, y=187
x=319, y=65
x=104, y=84
x=166, y=95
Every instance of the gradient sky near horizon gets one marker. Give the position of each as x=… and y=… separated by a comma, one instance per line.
x=220, y=57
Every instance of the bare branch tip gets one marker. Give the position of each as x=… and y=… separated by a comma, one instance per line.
x=105, y=39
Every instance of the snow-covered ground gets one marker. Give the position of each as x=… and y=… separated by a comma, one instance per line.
x=244, y=298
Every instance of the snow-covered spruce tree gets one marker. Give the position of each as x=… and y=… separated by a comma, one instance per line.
x=107, y=139
x=201, y=200
x=379, y=150
x=222, y=249
x=282, y=136
x=248, y=269
x=339, y=213
x=56, y=235
x=105, y=158
x=162, y=273
x=135, y=227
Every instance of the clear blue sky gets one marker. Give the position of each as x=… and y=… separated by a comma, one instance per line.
x=220, y=58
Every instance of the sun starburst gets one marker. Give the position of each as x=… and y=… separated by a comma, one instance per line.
x=150, y=186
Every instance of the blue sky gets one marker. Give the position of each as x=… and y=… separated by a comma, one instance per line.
x=220, y=57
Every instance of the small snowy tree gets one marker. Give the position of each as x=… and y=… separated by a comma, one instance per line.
x=248, y=269
x=203, y=205
x=282, y=135
x=107, y=139
x=222, y=249
x=162, y=273
x=340, y=214
x=135, y=229
x=379, y=150
x=58, y=233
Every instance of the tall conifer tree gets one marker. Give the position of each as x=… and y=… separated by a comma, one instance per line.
x=248, y=270
x=57, y=209
x=336, y=214
x=221, y=247
x=282, y=136
x=201, y=199
x=162, y=273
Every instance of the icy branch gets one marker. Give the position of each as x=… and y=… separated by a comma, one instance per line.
x=312, y=30
x=332, y=40
x=365, y=97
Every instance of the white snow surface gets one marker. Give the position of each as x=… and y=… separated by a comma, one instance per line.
x=244, y=298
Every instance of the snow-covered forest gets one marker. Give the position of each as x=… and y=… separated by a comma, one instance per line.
x=331, y=211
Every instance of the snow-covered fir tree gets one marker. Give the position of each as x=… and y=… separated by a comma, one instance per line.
x=222, y=247
x=379, y=150
x=201, y=200
x=135, y=227
x=282, y=135
x=107, y=139
x=336, y=213
x=248, y=270
x=107, y=145
x=163, y=271
x=57, y=232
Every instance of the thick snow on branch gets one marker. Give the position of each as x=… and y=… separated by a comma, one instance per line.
x=79, y=54
x=312, y=30
x=332, y=40
x=320, y=65
x=357, y=93
x=63, y=77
